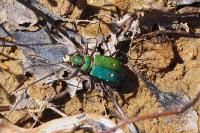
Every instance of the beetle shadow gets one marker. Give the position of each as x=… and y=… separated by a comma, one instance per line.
x=129, y=84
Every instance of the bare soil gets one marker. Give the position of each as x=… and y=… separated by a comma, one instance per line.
x=164, y=69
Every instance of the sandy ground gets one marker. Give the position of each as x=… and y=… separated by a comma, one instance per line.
x=181, y=77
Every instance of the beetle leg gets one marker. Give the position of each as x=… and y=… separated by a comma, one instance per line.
x=114, y=53
x=88, y=81
x=72, y=53
x=103, y=102
x=93, y=50
x=79, y=52
x=110, y=95
x=72, y=74
x=86, y=49
x=107, y=90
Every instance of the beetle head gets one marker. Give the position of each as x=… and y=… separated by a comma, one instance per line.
x=74, y=60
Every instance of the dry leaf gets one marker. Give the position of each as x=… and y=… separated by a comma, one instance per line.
x=184, y=2
x=16, y=16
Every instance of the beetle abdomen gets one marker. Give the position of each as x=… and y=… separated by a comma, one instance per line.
x=107, y=68
x=108, y=62
x=106, y=74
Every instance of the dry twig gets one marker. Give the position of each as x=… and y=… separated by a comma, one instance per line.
x=173, y=111
x=92, y=123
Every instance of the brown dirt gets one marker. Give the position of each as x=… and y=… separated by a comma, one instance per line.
x=184, y=77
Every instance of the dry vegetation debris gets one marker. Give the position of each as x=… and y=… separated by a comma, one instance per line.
x=157, y=41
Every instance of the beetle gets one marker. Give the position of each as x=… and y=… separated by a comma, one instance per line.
x=40, y=60
x=105, y=68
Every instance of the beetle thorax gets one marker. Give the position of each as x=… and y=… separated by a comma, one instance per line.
x=84, y=62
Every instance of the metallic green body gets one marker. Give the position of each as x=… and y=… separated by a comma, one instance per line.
x=76, y=60
x=108, y=62
x=87, y=63
x=106, y=74
x=106, y=68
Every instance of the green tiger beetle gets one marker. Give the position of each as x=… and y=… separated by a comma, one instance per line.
x=105, y=68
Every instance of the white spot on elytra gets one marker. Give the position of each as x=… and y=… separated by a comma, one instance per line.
x=112, y=75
